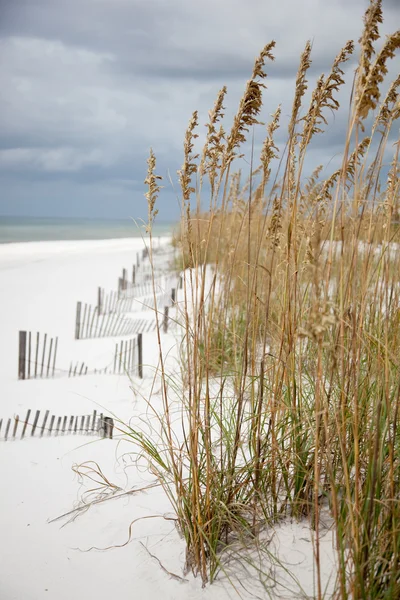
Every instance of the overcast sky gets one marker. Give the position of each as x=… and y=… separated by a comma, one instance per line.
x=88, y=86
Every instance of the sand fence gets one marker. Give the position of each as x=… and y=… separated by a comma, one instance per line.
x=15, y=428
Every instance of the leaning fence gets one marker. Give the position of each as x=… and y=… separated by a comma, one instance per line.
x=117, y=302
x=90, y=324
x=94, y=424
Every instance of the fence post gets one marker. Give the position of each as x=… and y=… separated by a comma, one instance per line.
x=22, y=355
x=99, y=300
x=165, y=322
x=29, y=354
x=133, y=275
x=108, y=427
x=173, y=295
x=78, y=320
x=140, y=355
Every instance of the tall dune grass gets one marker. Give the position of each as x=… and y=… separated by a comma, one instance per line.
x=290, y=395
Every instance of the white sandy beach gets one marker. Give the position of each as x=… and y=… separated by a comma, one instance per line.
x=40, y=284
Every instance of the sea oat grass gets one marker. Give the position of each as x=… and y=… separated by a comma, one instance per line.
x=290, y=313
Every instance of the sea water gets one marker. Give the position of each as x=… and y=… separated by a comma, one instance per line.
x=38, y=229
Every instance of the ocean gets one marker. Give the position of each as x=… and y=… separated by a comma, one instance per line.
x=39, y=229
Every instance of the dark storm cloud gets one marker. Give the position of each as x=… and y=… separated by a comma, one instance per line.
x=87, y=86
x=165, y=39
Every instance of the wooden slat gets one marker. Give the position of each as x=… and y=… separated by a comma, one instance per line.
x=46, y=416
x=49, y=359
x=133, y=355
x=78, y=320
x=16, y=421
x=53, y=417
x=107, y=326
x=28, y=414
x=100, y=424
x=83, y=322
x=120, y=357
x=96, y=328
x=165, y=321
x=99, y=300
x=140, y=355
x=55, y=356
x=43, y=354
x=88, y=321
x=22, y=355
x=29, y=354
x=37, y=354
x=129, y=356
x=35, y=422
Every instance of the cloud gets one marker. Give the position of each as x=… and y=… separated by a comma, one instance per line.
x=87, y=86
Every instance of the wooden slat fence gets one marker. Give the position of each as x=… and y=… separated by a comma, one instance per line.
x=37, y=355
x=89, y=324
x=128, y=356
x=125, y=358
x=138, y=290
x=115, y=303
x=143, y=271
x=94, y=424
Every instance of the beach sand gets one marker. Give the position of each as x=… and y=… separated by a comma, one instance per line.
x=40, y=284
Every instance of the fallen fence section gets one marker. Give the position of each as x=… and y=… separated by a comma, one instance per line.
x=94, y=424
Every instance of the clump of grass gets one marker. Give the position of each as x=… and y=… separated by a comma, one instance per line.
x=290, y=320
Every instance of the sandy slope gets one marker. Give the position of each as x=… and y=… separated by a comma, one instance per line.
x=39, y=286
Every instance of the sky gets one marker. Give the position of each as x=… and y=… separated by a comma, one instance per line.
x=88, y=86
